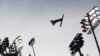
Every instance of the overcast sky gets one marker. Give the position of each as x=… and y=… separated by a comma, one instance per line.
x=31, y=18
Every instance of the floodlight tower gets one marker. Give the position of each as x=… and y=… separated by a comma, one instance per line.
x=18, y=44
x=90, y=23
x=1, y=51
x=31, y=43
x=76, y=44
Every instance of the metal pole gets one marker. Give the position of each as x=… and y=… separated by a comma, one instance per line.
x=93, y=33
x=33, y=51
x=80, y=53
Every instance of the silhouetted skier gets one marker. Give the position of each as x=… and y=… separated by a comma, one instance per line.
x=57, y=20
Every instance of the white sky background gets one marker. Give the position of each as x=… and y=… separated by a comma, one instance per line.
x=31, y=18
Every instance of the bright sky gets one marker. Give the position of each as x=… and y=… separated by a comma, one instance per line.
x=31, y=18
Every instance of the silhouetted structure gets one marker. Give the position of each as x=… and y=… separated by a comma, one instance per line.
x=13, y=50
x=31, y=43
x=3, y=46
x=57, y=20
x=76, y=44
x=84, y=23
x=93, y=20
x=94, y=17
x=18, y=44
